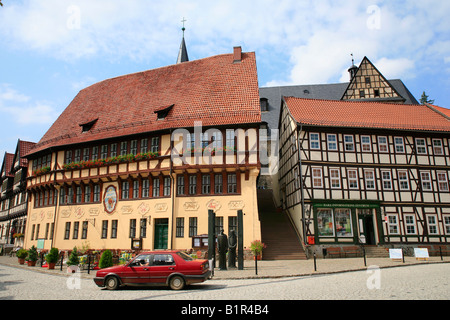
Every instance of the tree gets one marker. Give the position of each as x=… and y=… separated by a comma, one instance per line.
x=73, y=258
x=1, y=4
x=106, y=260
x=424, y=99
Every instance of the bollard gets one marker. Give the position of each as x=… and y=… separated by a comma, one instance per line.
x=315, y=265
x=89, y=264
x=62, y=261
x=364, y=254
x=403, y=255
x=256, y=264
x=440, y=253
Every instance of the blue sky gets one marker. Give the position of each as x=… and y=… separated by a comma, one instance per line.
x=51, y=49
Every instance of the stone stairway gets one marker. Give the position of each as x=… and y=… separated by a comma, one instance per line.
x=376, y=252
x=278, y=234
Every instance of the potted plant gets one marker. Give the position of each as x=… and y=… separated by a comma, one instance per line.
x=257, y=247
x=52, y=257
x=21, y=255
x=73, y=261
x=32, y=256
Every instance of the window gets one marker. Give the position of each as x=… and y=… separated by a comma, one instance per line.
x=133, y=147
x=366, y=144
x=421, y=146
x=393, y=224
x=76, y=227
x=104, y=229
x=125, y=190
x=87, y=194
x=143, y=229
x=70, y=195
x=325, y=222
x=399, y=145
x=192, y=226
x=156, y=187
x=232, y=183
x=135, y=189
x=192, y=184
x=86, y=154
x=382, y=144
x=426, y=181
x=155, y=144
x=78, y=195
x=343, y=222
x=179, y=228
x=437, y=147
x=104, y=151
x=230, y=139
x=66, y=233
x=206, y=184
x=218, y=183
x=114, y=224
x=95, y=153
x=62, y=196
x=317, y=177
x=123, y=148
x=362, y=94
x=218, y=225
x=144, y=145
x=332, y=142
x=77, y=157
x=352, y=179
x=447, y=224
x=387, y=180
x=113, y=150
x=410, y=223
x=85, y=230
x=369, y=177
x=96, y=193
x=335, y=178
x=166, y=191
x=68, y=158
x=205, y=139
x=232, y=224
x=217, y=140
x=145, y=188
x=432, y=225
x=314, y=141
x=348, y=142
x=403, y=180
x=132, y=228
x=442, y=181
x=180, y=185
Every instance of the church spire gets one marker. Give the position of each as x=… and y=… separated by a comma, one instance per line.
x=182, y=53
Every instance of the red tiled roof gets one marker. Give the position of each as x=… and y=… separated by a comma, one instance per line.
x=7, y=164
x=24, y=148
x=213, y=90
x=359, y=114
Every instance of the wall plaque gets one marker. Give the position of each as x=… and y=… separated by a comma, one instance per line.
x=110, y=199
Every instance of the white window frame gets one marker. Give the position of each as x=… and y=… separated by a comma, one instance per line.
x=419, y=146
x=399, y=147
x=385, y=144
x=335, y=176
x=352, y=179
x=402, y=180
x=410, y=224
x=438, y=150
x=331, y=143
x=317, y=178
x=366, y=146
x=442, y=178
x=432, y=224
x=392, y=220
x=368, y=179
x=425, y=177
x=314, y=141
x=348, y=143
x=446, y=221
x=386, y=178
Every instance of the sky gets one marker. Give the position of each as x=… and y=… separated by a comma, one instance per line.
x=51, y=49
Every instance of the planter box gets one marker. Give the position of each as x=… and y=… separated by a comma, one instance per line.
x=31, y=263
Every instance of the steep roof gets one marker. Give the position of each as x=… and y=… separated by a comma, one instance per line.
x=23, y=148
x=361, y=114
x=6, y=165
x=214, y=90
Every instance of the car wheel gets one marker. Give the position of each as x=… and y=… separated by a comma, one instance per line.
x=111, y=283
x=176, y=283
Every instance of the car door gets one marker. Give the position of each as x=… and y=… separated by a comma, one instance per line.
x=137, y=272
x=163, y=264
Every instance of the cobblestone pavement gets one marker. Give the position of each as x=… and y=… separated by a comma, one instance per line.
x=277, y=280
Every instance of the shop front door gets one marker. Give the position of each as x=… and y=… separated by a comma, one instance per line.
x=366, y=227
x=161, y=233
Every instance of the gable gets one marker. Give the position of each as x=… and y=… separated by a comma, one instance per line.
x=369, y=84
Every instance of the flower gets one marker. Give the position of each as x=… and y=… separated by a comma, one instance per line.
x=257, y=247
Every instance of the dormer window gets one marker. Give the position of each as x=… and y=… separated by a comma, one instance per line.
x=163, y=112
x=86, y=127
x=264, y=104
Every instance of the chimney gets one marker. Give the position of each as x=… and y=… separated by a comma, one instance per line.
x=237, y=54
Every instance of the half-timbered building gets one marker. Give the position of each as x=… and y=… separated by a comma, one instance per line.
x=141, y=158
x=355, y=172
x=13, y=201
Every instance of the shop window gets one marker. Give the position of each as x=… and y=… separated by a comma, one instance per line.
x=343, y=222
x=325, y=223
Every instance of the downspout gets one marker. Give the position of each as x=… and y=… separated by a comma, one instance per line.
x=301, y=184
x=172, y=191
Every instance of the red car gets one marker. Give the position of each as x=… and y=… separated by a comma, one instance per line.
x=173, y=268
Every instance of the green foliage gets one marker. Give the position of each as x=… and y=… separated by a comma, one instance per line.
x=257, y=247
x=22, y=253
x=424, y=99
x=105, y=260
x=32, y=254
x=52, y=256
x=73, y=258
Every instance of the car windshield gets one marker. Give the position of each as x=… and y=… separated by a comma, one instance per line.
x=185, y=256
